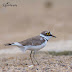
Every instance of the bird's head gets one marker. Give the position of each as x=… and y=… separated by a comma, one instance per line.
x=47, y=35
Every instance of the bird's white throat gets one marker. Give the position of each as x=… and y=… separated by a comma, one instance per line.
x=46, y=37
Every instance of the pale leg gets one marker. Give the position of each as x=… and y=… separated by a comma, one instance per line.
x=35, y=58
x=31, y=57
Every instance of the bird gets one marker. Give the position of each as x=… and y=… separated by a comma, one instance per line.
x=33, y=44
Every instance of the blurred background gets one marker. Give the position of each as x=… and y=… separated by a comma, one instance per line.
x=30, y=17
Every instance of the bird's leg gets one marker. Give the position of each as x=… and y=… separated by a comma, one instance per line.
x=31, y=57
x=35, y=58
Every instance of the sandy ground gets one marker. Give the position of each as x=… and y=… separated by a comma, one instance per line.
x=47, y=63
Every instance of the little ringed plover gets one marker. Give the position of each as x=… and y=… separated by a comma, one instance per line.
x=34, y=44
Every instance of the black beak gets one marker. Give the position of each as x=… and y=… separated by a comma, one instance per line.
x=53, y=36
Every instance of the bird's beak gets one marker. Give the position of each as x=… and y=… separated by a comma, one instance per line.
x=53, y=36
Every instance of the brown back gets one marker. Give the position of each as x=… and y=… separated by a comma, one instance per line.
x=37, y=40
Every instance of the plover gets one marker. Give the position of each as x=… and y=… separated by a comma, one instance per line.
x=34, y=44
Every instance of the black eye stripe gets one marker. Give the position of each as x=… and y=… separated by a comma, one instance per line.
x=48, y=34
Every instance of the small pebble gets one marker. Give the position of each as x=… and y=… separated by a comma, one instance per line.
x=37, y=68
x=31, y=66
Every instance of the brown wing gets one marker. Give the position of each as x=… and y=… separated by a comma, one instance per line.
x=33, y=41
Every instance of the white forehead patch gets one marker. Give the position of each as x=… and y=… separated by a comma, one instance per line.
x=48, y=32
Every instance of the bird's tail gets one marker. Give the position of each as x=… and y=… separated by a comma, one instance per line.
x=18, y=45
x=14, y=44
x=8, y=44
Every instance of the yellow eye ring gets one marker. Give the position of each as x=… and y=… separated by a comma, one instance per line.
x=48, y=34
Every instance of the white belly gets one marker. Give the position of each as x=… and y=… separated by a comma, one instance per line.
x=38, y=47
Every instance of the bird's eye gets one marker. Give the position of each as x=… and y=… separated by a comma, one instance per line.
x=47, y=34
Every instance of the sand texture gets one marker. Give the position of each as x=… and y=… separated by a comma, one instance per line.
x=47, y=63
